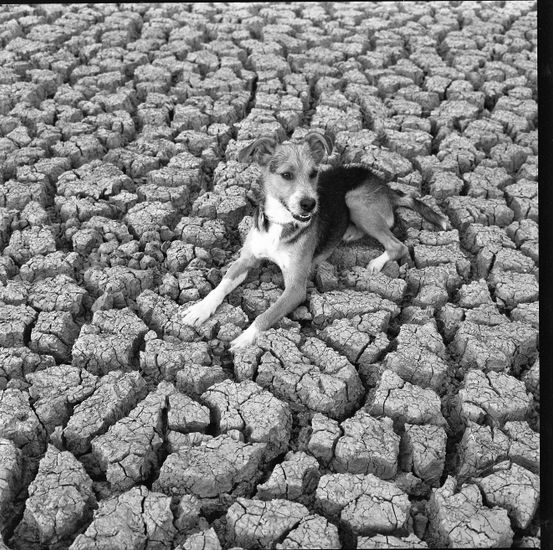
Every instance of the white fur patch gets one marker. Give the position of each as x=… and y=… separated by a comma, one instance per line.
x=266, y=244
x=247, y=338
x=200, y=312
x=376, y=265
x=277, y=212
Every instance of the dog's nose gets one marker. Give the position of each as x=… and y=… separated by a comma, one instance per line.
x=307, y=204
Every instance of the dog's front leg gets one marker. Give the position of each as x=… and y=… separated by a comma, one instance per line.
x=204, y=309
x=293, y=295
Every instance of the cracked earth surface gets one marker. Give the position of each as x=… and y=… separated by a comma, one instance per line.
x=387, y=411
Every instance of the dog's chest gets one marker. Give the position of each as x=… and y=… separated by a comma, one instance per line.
x=268, y=245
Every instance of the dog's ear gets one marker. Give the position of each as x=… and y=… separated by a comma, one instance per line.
x=261, y=150
x=319, y=145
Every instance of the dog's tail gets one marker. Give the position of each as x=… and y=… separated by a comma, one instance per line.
x=410, y=201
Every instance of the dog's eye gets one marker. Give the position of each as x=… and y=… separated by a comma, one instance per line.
x=286, y=175
x=313, y=174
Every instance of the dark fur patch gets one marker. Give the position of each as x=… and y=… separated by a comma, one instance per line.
x=333, y=216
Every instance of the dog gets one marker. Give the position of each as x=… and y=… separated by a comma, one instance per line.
x=304, y=214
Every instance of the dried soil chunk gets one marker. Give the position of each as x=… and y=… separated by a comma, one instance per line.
x=509, y=156
x=359, y=278
x=367, y=446
x=14, y=293
x=150, y=216
x=111, y=342
x=486, y=182
x=531, y=379
x=128, y=451
x=60, y=502
x=162, y=315
x=478, y=237
x=349, y=341
x=389, y=541
x=495, y=348
x=515, y=489
x=337, y=304
x=460, y=519
x=423, y=451
x=474, y=294
x=249, y=408
x=136, y=519
x=494, y=397
x=325, y=434
x=511, y=289
x=56, y=390
x=258, y=524
x=513, y=260
x=420, y=356
x=443, y=276
x=15, y=324
x=292, y=479
x=229, y=205
x=20, y=424
x=57, y=263
x=96, y=179
x=116, y=394
x=312, y=532
x=523, y=231
x=405, y=402
x=527, y=313
x=330, y=384
x=426, y=256
x=186, y=415
x=60, y=293
x=120, y=282
x=188, y=364
x=11, y=473
x=525, y=445
x=522, y=198
x=204, y=540
x=463, y=211
x=54, y=333
x=364, y=504
x=30, y=242
x=216, y=466
x=17, y=194
x=201, y=232
x=480, y=448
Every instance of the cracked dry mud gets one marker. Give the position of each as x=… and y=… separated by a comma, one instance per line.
x=395, y=410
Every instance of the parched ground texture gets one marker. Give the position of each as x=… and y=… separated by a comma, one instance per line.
x=388, y=411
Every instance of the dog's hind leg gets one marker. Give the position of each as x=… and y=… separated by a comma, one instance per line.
x=375, y=220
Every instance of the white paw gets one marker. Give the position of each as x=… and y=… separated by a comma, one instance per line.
x=376, y=265
x=247, y=338
x=197, y=314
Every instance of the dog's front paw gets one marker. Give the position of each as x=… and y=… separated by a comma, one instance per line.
x=247, y=338
x=197, y=314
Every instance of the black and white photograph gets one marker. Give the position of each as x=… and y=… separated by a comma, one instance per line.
x=269, y=276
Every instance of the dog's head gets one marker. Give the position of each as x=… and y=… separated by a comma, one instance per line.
x=290, y=174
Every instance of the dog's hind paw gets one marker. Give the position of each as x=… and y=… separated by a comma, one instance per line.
x=376, y=265
x=247, y=338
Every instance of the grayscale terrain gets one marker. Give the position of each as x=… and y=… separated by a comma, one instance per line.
x=397, y=410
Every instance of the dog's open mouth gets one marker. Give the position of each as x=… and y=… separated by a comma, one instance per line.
x=302, y=218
